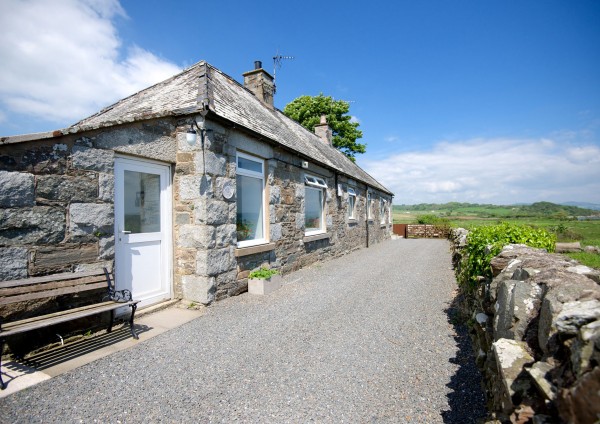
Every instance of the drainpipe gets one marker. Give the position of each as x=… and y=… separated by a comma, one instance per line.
x=367, y=216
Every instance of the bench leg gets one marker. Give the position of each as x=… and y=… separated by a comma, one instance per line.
x=112, y=321
x=133, y=308
x=2, y=385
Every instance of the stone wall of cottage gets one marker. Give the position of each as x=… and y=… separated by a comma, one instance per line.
x=57, y=206
x=57, y=197
x=208, y=264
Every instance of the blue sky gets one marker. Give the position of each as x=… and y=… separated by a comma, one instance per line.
x=478, y=101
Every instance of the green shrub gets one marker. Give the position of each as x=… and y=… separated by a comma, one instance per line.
x=263, y=273
x=485, y=242
x=431, y=219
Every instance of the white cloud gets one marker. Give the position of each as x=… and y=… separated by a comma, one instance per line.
x=354, y=119
x=391, y=138
x=62, y=60
x=501, y=171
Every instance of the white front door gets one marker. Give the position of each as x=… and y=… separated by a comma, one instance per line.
x=143, y=229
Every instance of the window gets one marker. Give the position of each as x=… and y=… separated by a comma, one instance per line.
x=351, y=203
x=250, y=181
x=382, y=203
x=369, y=204
x=314, y=205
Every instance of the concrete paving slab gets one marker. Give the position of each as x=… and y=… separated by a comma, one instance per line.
x=45, y=365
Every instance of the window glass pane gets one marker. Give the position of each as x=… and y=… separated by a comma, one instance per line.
x=313, y=209
x=142, y=202
x=351, y=200
x=250, y=165
x=249, y=208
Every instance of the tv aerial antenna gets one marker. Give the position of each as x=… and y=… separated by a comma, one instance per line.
x=277, y=59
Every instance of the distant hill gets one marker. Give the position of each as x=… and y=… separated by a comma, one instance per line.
x=538, y=209
x=585, y=205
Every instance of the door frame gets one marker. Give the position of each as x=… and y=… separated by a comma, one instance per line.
x=166, y=218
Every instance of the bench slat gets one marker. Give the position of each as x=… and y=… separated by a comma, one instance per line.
x=52, y=277
x=11, y=324
x=50, y=293
x=12, y=291
x=17, y=327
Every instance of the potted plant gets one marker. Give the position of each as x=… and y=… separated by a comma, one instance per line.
x=243, y=230
x=263, y=281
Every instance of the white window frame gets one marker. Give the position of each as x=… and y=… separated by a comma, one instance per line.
x=351, y=205
x=315, y=181
x=317, y=184
x=382, y=214
x=369, y=204
x=261, y=176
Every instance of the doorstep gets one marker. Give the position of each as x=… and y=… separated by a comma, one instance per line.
x=150, y=322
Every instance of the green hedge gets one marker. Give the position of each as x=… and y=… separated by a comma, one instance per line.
x=476, y=260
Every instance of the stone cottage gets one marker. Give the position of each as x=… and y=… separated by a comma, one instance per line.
x=184, y=188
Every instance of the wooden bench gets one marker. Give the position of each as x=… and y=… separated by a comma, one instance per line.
x=57, y=285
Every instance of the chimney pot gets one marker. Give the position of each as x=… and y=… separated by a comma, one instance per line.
x=257, y=64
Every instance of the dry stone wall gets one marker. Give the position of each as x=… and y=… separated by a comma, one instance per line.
x=536, y=331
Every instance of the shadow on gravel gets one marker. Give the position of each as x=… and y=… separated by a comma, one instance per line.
x=466, y=400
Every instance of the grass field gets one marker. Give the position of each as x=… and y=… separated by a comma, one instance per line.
x=586, y=232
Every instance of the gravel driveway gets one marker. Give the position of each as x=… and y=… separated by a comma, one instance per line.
x=364, y=338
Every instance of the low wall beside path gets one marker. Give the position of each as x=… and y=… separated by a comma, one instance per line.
x=536, y=332
x=421, y=230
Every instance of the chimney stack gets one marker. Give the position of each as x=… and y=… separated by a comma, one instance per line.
x=324, y=131
x=260, y=83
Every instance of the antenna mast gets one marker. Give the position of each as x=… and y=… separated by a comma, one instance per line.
x=277, y=59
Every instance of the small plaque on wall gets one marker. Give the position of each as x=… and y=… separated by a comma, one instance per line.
x=228, y=190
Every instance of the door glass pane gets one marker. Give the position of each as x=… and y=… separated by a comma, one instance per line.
x=313, y=209
x=142, y=202
x=249, y=208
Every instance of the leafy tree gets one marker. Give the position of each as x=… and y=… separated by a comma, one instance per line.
x=307, y=111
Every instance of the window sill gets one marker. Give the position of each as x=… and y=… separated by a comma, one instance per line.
x=352, y=221
x=251, y=250
x=383, y=225
x=315, y=237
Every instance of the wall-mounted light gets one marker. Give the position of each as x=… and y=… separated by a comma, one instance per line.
x=191, y=136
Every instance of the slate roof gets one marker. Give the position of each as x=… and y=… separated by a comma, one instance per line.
x=185, y=93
